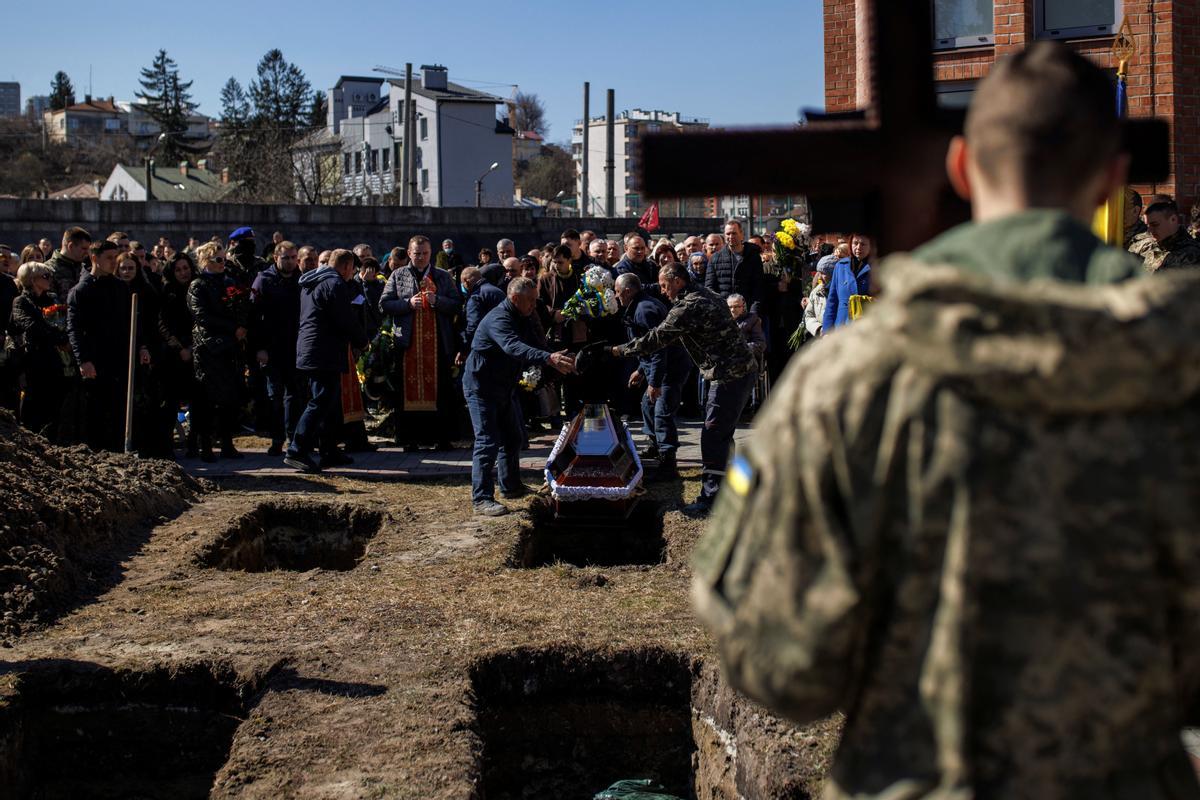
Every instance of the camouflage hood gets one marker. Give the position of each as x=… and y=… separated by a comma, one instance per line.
x=1045, y=346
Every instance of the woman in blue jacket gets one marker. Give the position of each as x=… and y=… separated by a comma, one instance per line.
x=851, y=276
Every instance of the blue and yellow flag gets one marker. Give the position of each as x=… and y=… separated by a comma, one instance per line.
x=1109, y=223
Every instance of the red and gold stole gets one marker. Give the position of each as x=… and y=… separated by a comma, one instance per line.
x=352, y=401
x=420, y=360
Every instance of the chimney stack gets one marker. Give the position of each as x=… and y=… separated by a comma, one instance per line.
x=183, y=168
x=433, y=76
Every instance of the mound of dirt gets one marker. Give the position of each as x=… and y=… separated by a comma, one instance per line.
x=68, y=516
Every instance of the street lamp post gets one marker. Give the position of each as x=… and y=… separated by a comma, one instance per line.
x=479, y=183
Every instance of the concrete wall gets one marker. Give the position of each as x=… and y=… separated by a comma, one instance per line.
x=382, y=227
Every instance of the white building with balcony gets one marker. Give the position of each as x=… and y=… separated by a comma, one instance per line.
x=457, y=138
x=628, y=127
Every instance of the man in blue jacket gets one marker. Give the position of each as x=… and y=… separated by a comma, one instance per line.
x=663, y=373
x=500, y=351
x=328, y=327
x=851, y=276
x=482, y=297
x=274, y=326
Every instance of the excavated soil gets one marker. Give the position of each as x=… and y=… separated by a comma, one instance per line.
x=69, y=517
x=324, y=637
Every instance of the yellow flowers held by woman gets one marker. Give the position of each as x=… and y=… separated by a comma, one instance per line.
x=785, y=239
x=791, y=228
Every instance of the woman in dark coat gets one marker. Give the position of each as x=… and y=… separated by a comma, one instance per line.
x=49, y=367
x=175, y=331
x=217, y=333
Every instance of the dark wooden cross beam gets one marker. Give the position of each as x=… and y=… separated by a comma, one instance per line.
x=882, y=171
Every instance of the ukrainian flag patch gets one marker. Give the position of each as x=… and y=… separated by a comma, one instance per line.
x=741, y=476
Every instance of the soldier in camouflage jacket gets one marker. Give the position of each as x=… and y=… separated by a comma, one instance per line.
x=701, y=322
x=1166, y=244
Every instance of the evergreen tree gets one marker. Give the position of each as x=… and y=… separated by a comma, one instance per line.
x=168, y=102
x=235, y=108
x=318, y=112
x=62, y=93
x=281, y=94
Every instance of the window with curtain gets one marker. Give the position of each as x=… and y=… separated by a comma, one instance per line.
x=962, y=23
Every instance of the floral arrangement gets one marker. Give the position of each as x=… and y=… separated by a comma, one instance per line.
x=595, y=298
x=531, y=378
x=237, y=300
x=791, y=249
x=376, y=367
x=56, y=315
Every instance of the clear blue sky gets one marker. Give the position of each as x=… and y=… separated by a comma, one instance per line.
x=751, y=63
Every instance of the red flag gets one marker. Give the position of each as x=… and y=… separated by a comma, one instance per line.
x=649, y=220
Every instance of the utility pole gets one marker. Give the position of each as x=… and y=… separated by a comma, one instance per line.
x=410, y=129
x=610, y=164
x=583, y=185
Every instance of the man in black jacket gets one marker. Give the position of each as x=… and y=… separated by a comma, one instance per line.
x=737, y=268
x=662, y=373
x=98, y=311
x=274, y=326
x=329, y=325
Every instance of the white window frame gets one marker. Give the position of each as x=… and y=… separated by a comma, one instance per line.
x=1082, y=32
x=959, y=42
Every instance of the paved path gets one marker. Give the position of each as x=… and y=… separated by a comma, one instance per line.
x=388, y=461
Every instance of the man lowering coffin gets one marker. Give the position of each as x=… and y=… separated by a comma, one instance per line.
x=501, y=350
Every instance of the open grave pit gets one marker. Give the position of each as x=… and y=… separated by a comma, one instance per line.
x=556, y=724
x=296, y=535
x=613, y=542
x=74, y=729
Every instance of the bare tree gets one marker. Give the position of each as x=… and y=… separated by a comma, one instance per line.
x=531, y=114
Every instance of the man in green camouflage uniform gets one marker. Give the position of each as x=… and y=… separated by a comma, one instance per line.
x=1165, y=244
x=701, y=321
x=969, y=521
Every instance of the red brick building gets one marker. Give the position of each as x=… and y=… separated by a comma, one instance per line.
x=968, y=35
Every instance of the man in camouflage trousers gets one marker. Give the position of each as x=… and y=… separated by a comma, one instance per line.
x=1165, y=244
x=700, y=320
x=969, y=521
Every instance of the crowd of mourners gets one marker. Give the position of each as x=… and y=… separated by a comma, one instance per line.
x=217, y=348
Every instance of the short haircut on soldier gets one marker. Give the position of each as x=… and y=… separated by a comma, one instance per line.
x=282, y=246
x=75, y=235
x=570, y=234
x=103, y=246
x=521, y=286
x=1162, y=203
x=339, y=258
x=630, y=280
x=1043, y=122
x=675, y=270
x=418, y=240
x=634, y=235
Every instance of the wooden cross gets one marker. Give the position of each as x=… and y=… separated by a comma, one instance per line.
x=880, y=171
